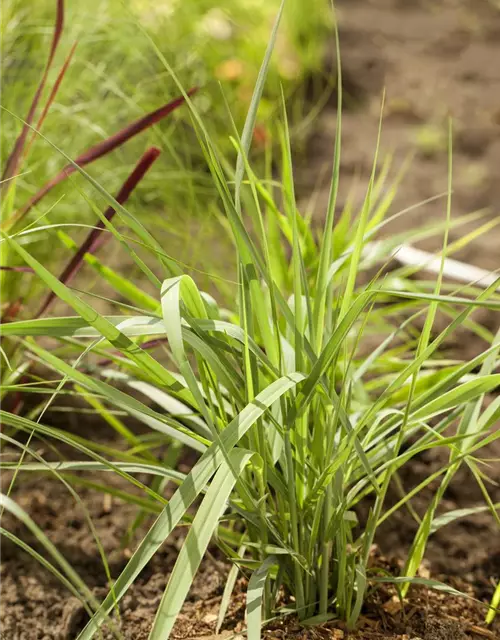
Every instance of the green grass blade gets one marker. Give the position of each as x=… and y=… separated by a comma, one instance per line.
x=99, y=322
x=195, y=482
x=455, y=514
x=494, y=606
x=76, y=465
x=125, y=215
x=196, y=543
x=123, y=286
x=326, y=249
x=116, y=397
x=228, y=590
x=246, y=136
x=463, y=393
x=80, y=444
x=255, y=594
x=360, y=230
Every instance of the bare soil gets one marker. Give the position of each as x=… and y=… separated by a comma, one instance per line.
x=35, y=605
x=433, y=59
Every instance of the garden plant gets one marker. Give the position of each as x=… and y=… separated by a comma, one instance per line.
x=301, y=395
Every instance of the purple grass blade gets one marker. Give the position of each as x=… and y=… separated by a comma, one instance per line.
x=20, y=269
x=12, y=165
x=96, y=238
x=149, y=344
x=13, y=309
x=155, y=342
x=51, y=98
x=106, y=146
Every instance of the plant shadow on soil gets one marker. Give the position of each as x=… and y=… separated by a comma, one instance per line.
x=428, y=58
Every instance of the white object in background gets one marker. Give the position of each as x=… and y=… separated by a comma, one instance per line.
x=461, y=271
x=216, y=24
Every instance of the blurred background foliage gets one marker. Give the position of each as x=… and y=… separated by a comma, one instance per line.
x=116, y=76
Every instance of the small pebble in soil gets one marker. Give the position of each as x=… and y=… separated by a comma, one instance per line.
x=209, y=618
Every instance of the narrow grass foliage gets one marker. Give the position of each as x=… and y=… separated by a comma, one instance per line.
x=302, y=397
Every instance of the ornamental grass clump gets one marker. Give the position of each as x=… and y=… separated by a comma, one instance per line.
x=295, y=417
x=17, y=290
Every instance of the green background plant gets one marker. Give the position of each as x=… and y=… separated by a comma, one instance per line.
x=115, y=77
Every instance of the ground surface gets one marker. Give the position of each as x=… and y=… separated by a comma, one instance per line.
x=434, y=60
x=431, y=59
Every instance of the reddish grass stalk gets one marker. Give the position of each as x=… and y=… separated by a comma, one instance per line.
x=20, y=269
x=149, y=344
x=12, y=311
x=51, y=98
x=95, y=238
x=11, y=167
x=106, y=146
x=17, y=401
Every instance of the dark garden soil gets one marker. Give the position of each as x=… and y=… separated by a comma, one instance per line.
x=433, y=58
x=34, y=605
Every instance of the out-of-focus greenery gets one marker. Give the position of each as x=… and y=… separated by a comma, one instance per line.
x=116, y=76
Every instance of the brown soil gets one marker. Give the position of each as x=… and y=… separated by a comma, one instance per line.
x=35, y=605
x=432, y=58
